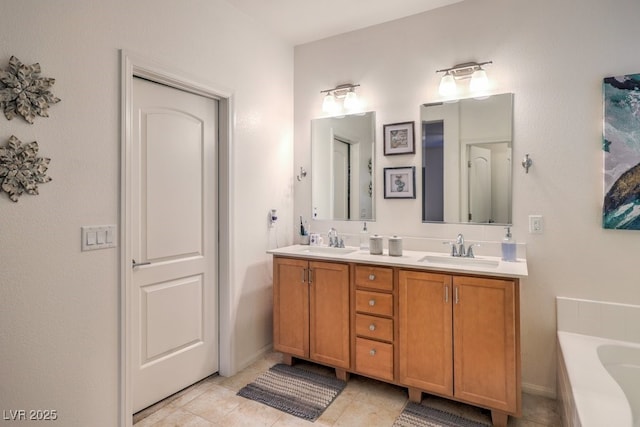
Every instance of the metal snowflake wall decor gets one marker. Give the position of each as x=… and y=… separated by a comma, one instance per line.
x=23, y=91
x=21, y=169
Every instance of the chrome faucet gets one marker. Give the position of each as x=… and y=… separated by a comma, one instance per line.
x=458, y=249
x=460, y=243
x=470, y=250
x=334, y=241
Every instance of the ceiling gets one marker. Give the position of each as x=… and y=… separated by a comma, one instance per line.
x=303, y=21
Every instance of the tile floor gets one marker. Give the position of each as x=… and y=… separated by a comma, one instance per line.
x=364, y=402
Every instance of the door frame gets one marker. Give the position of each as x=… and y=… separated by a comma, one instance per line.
x=133, y=65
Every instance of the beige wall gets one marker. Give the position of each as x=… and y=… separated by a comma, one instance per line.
x=59, y=307
x=553, y=56
x=59, y=345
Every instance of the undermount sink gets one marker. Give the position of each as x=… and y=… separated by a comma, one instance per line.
x=461, y=261
x=327, y=250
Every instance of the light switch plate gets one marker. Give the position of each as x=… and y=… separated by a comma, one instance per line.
x=91, y=238
x=536, y=224
x=98, y=237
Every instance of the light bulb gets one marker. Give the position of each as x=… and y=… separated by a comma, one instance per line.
x=479, y=81
x=447, y=86
x=351, y=102
x=329, y=105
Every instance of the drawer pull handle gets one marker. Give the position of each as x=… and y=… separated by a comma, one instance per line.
x=372, y=302
x=372, y=277
x=372, y=352
x=372, y=327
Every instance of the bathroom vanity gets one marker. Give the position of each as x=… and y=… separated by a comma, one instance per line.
x=422, y=321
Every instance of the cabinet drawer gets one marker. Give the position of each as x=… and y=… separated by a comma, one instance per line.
x=374, y=277
x=374, y=303
x=374, y=358
x=374, y=327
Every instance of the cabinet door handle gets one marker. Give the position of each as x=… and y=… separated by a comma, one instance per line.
x=446, y=293
x=372, y=277
x=372, y=327
x=372, y=352
x=304, y=275
x=372, y=302
x=457, y=300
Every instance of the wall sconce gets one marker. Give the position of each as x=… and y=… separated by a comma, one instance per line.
x=347, y=93
x=479, y=82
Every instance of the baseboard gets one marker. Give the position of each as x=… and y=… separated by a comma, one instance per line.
x=537, y=390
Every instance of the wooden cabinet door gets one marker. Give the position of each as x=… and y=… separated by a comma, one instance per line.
x=329, y=313
x=425, y=341
x=291, y=306
x=486, y=328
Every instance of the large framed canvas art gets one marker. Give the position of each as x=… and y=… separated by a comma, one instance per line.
x=621, y=147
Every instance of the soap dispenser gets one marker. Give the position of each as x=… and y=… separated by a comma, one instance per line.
x=364, y=238
x=508, y=247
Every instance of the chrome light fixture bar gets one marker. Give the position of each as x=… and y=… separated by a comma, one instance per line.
x=473, y=70
x=344, y=91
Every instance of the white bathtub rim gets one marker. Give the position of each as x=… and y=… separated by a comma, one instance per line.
x=600, y=399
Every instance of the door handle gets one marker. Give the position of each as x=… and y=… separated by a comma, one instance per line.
x=135, y=264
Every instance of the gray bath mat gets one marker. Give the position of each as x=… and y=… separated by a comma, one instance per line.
x=421, y=415
x=294, y=391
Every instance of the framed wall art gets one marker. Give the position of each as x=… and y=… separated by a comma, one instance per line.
x=399, y=138
x=400, y=183
x=621, y=149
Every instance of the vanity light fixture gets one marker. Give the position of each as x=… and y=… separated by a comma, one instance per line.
x=473, y=70
x=329, y=104
x=347, y=93
x=448, y=86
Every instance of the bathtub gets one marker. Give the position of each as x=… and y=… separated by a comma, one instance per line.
x=598, y=381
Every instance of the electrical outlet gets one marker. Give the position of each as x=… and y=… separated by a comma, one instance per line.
x=536, y=224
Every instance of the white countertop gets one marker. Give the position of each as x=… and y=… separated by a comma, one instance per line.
x=436, y=261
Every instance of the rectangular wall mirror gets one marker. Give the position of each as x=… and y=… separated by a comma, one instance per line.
x=342, y=160
x=466, y=160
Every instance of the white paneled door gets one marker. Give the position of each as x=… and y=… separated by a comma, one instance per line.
x=174, y=240
x=479, y=184
x=341, y=178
